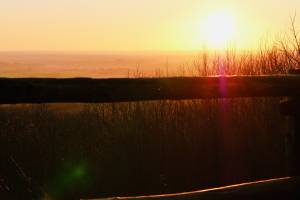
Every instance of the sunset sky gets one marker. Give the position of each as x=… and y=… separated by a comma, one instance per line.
x=140, y=25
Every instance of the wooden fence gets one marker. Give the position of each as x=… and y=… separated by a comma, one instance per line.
x=29, y=90
x=85, y=90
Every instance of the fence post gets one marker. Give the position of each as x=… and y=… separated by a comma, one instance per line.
x=291, y=107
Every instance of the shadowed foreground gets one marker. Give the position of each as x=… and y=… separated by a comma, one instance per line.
x=159, y=151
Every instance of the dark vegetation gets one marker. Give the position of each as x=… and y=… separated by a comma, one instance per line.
x=146, y=147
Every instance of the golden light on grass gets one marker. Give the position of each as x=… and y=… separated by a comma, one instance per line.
x=218, y=29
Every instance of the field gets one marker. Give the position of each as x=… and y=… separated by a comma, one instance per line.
x=146, y=147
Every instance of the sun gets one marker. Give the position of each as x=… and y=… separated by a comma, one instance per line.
x=218, y=29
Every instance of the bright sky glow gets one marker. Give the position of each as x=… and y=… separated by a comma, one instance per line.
x=218, y=29
x=140, y=25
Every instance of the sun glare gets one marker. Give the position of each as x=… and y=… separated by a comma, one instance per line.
x=218, y=29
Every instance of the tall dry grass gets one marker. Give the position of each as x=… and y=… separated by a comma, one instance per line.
x=147, y=147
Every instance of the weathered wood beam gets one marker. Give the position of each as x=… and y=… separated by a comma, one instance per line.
x=79, y=90
x=282, y=188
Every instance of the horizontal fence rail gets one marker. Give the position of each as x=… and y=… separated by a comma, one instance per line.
x=86, y=90
x=282, y=188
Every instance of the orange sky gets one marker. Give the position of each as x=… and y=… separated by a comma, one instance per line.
x=135, y=25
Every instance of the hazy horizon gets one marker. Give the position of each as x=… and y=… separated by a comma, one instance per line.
x=89, y=64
